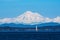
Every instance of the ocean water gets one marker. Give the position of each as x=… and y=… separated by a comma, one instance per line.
x=29, y=35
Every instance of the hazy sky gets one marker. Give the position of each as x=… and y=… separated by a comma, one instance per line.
x=13, y=8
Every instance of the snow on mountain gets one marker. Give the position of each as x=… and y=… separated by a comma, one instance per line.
x=29, y=17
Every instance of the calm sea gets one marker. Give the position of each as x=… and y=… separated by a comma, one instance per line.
x=29, y=35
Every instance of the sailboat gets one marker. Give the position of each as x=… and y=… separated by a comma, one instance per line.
x=36, y=28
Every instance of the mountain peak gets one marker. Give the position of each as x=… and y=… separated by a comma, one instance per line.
x=29, y=17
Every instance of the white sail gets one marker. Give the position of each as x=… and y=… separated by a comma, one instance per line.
x=36, y=28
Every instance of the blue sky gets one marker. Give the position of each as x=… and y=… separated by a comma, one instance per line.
x=13, y=8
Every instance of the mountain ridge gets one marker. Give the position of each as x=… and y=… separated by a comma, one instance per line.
x=24, y=25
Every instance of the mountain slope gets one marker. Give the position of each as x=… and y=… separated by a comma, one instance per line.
x=22, y=25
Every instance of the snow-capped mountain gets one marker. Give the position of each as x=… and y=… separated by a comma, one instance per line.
x=29, y=17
